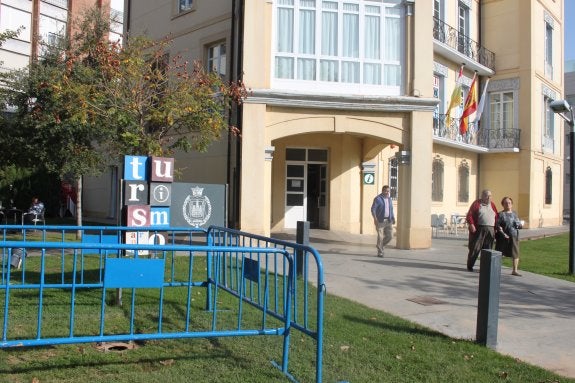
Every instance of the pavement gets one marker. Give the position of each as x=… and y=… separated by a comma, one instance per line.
x=433, y=288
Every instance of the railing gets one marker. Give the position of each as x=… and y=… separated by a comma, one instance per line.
x=499, y=138
x=451, y=37
x=486, y=138
x=307, y=311
x=161, y=273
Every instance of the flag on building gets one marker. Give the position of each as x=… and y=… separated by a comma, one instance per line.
x=469, y=108
x=455, y=98
x=481, y=102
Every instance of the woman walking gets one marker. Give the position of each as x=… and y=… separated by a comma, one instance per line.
x=507, y=235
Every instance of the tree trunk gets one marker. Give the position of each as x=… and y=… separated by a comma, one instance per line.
x=79, y=206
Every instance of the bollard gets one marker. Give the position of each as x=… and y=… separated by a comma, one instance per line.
x=302, y=237
x=488, y=299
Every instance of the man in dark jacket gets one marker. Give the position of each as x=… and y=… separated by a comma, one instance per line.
x=383, y=218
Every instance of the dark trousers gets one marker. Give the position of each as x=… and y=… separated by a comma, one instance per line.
x=481, y=239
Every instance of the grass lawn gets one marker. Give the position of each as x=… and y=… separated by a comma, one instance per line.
x=360, y=344
x=548, y=256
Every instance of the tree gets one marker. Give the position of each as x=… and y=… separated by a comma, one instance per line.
x=90, y=101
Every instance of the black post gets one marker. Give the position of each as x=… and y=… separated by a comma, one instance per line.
x=571, y=196
x=488, y=299
x=302, y=237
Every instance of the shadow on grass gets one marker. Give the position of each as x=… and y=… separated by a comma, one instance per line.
x=211, y=355
x=414, y=329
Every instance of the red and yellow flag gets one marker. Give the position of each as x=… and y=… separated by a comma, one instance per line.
x=470, y=107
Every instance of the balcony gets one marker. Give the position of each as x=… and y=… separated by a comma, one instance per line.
x=461, y=48
x=479, y=140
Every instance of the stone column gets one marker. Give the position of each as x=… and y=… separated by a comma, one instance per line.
x=256, y=171
x=414, y=199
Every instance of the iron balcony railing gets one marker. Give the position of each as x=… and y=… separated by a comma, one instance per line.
x=483, y=137
x=451, y=37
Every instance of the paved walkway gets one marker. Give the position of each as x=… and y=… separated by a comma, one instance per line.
x=433, y=288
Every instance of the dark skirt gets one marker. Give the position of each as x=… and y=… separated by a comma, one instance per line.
x=509, y=247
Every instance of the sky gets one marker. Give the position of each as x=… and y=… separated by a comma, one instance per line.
x=569, y=30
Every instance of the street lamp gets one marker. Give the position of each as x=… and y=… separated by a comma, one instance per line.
x=561, y=107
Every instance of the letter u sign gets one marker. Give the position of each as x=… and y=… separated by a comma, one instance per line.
x=162, y=169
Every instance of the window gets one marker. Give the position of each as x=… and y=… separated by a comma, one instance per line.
x=437, y=9
x=549, y=49
x=463, y=41
x=437, y=180
x=216, y=61
x=185, y=5
x=347, y=42
x=53, y=39
x=393, y=171
x=548, y=126
x=548, y=186
x=50, y=40
x=502, y=115
x=463, y=187
x=438, y=92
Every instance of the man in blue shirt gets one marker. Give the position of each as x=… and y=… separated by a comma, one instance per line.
x=383, y=218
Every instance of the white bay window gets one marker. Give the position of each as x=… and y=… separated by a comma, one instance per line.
x=339, y=45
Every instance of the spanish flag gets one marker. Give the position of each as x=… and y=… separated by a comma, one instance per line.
x=470, y=107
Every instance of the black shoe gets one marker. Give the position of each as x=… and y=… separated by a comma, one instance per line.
x=469, y=268
x=380, y=255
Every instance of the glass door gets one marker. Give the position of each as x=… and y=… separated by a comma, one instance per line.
x=306, y=188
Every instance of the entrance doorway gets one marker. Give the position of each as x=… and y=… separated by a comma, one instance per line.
x=306, y=188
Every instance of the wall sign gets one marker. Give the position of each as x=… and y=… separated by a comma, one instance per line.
x=151, y=198
x=368, y=178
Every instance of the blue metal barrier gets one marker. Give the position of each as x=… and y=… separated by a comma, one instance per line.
x=246, y=274
x=308, y=303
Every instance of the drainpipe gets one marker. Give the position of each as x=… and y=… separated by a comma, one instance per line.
x=236, y=73
x=409, y=37
x=35, y=30
x=127, y=17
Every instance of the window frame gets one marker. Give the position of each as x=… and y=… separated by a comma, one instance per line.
x=498, y=124
x=548, y=186
x=210, y=59
x=548, y=49
x=393, y=182
x=439, y=111
x=548, y=126
x=463, y=184
x=185, y=6
x=437, y=179
x=463, y=27
x=438, y=9
x=290, y=59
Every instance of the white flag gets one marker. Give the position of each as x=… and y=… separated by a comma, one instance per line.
x=481, y=102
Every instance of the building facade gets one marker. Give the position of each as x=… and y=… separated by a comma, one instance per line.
x=44, y=22
x=349, y=95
